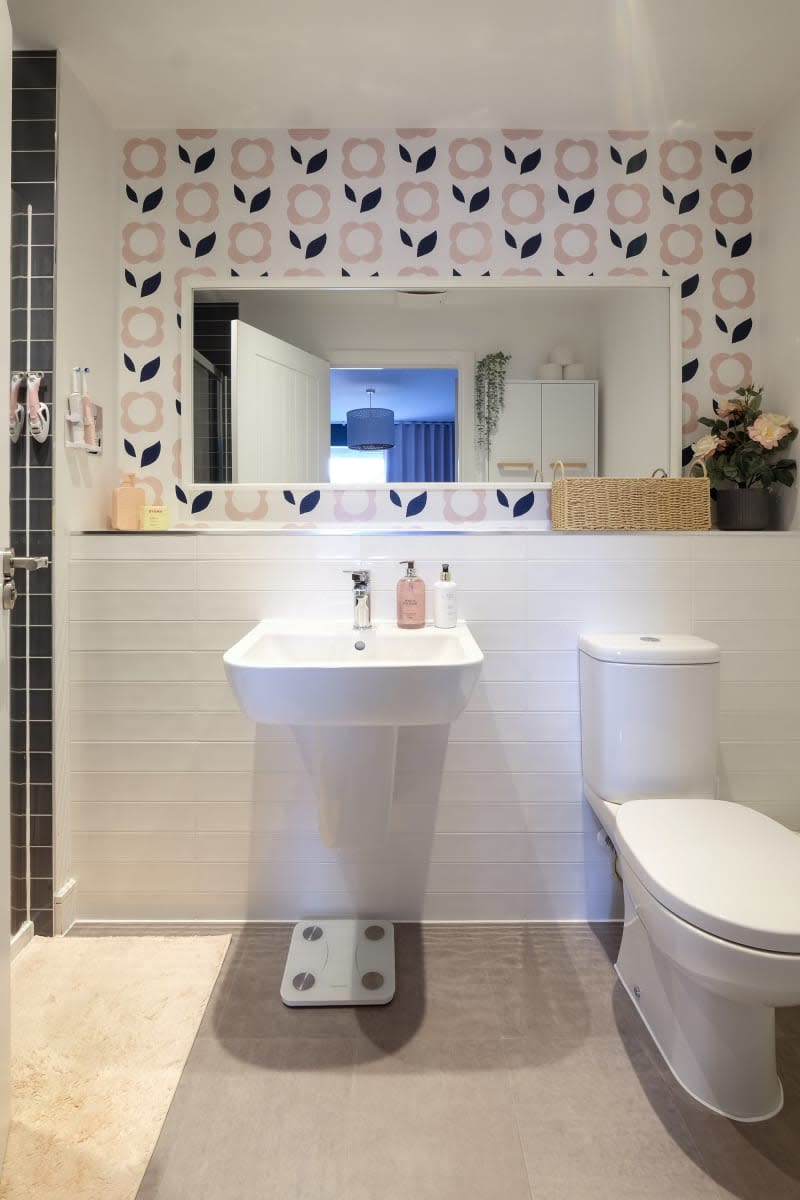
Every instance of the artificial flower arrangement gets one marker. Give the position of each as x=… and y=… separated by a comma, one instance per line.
x=743, y=443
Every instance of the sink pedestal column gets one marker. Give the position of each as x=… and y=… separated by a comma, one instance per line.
x=354, y=775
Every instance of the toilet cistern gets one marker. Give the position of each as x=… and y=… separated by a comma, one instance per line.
x=361, y=599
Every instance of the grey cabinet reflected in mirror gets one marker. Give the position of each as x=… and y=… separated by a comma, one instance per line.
x=372, y=384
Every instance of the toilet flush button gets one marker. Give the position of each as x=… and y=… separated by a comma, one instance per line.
x=649, y=639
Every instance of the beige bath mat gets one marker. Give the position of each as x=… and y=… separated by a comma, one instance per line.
x=101, y=1029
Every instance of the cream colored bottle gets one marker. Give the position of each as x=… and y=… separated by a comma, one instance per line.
x=410, y=599
x=126, y=504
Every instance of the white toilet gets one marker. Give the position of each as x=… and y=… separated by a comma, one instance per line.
x=711, y=941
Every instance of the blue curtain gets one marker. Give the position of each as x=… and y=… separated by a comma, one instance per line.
x=423, y=452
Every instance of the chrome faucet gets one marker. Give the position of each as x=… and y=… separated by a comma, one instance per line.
x=361, y=599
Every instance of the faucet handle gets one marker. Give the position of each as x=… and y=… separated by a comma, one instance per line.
x=358, y=575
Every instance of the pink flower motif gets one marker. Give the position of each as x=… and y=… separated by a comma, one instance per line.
x=249, y=242
x=690, y=422
x=362, y=158
x=470, y=241
x=417, y=202
x=360, y=241
x=141, y=412
x=251, y=158
x=256, y=513
x=518, y=135
x=523, y=204
x=415, y=133
x=308, y=271
x=305, y=135
x=680, y=160
x=144, y=158
x=187, y=273
x=308, y=205
x=142, y=241
x=196, y=202
x=451, y=505
x=419, y=271
x=153, y=488
x=733, y=135
x=627, y=271
x=522, y=271
x=729, y=372
x=628, y=135
x=576, y=159
x=342, y=511
x=187, y=135
x=470, y=158
x=177, y=470
x=681, y=244
x=142, y=327
x=692, y=329
x=628, y=203
x=733, y=289
x=575, y=243
x=731, y=204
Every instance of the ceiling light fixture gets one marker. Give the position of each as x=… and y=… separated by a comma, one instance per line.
x=370, y=428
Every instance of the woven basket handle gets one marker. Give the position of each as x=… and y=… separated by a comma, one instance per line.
x=659, y=473
x=559, y=463
x=699, y=462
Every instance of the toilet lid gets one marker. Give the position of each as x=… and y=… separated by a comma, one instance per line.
x=727, y=869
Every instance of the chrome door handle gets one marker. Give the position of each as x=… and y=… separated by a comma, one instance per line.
x=12, y=563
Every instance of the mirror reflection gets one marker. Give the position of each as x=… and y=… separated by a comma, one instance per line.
x=363, y=386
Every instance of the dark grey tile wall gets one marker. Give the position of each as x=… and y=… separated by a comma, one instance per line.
x=33, y=174
x=212, y=426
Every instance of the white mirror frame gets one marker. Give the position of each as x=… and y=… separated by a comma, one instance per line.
x=322, y=283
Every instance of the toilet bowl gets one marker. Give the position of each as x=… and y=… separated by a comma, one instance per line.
x=711, y=937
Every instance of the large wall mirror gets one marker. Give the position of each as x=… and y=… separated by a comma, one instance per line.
x=374, y=382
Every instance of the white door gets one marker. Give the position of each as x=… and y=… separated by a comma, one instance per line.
x=5, y=351
x=516, y=451
x=281, y=410
x=569, y=427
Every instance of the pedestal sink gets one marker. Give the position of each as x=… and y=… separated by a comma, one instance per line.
x=354, y=688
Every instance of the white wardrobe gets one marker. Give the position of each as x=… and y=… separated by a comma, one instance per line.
x=544, y=421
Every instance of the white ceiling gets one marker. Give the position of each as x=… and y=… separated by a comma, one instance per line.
x=558, y=64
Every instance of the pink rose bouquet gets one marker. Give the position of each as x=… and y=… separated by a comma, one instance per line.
x=744, y=444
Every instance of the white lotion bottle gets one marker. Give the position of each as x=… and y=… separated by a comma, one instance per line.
x=445, y=600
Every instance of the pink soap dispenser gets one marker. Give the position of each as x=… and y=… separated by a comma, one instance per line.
x=410, y=599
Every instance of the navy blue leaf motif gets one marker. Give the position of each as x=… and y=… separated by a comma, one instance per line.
x=185, y=240
x=309, y=503
x=178, y=320
x=687, y=454
x=721, y=324
x=426, y=160
x=720, y=236
x=405, y=154
x=689, y=370
x=130, y=278
x=371, y=200
x=426, y=244
x=615, y=155
x=523, y=505
x=531, y=246
x=720, y=153
x=349, y=193
x=479, y=200
x=260, y=200
x=689, y=201
x=741, y=162
x=205, y=245
x=126, y=358
x=131, y=194
x=395, y=499
x=296, y=155
x=316, y=246
x=459, y=195
x=183, y=154
x=289, y=497
x=149, y=370
x=346, y=274
x=416, y=505
x=667, y=194
x=502, y=498
x=178, y=405
x=563, y=194
x=202, y=501
x=202, y=163
x=239, y=194
x=741, y=246
x=406, y=238
x=180, y=493
x=636, y=162
x=585, y=201
x=151, y=454
x=530, y=162
x=510, y=155
x=129, y=448
x=636, y=246
x=294, y=239
x=153, y=200
x=742, y=331
x=511, y=240
x=616, y=240
x=151, y=284
x=317, y=162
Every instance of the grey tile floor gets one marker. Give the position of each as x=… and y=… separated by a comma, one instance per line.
x=510, y=1066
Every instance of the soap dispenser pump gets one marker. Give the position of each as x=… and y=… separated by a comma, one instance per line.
x=410, y=598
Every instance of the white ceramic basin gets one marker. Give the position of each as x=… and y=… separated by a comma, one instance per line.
x=325, y=673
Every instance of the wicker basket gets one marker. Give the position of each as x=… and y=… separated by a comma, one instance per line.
x=633, y=504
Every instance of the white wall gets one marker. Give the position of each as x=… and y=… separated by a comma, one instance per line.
x=184, y=809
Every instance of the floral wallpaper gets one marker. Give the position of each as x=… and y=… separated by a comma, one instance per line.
x=423, y=204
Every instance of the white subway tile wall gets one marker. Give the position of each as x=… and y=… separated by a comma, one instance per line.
x=183, y=809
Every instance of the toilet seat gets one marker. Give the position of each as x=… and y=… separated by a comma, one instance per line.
x=727, y=869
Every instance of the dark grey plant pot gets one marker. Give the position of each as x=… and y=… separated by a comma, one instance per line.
x=742, y=508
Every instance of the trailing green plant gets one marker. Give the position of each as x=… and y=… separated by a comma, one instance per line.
x=744, y=443
x=490, y=395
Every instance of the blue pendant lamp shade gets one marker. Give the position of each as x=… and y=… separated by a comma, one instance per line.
x=370, y=428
